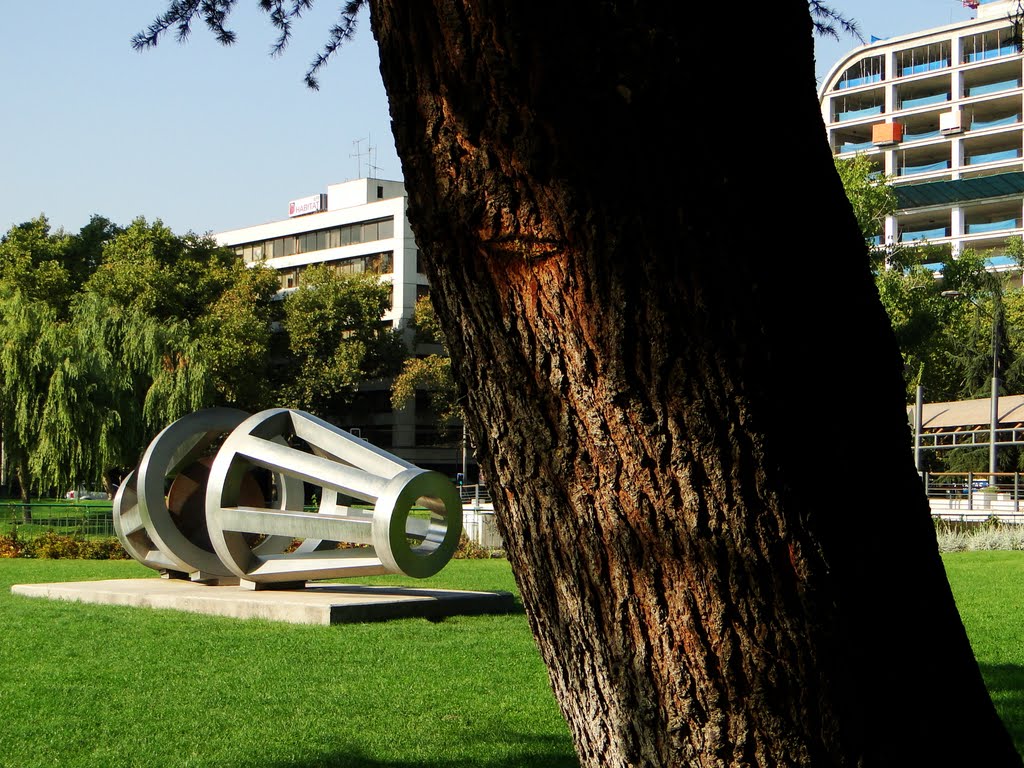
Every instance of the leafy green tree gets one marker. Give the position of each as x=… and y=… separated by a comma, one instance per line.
x=942, y=340
x=872, y=197
x=431, y=373
x=149, y=268
x=236, y=336
x=32, y=262
x=336, y=339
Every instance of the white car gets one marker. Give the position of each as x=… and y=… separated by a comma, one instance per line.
x=81, y=494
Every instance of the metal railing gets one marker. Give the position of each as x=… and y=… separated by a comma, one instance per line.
x=975, y=495
x=70, y=519
x=475, y=493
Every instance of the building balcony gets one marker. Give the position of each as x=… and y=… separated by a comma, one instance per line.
x=996, y=122
x=925, y=66
x=860, y=146
x=931, y=167
x=994, y=77
x=857, y=114
x=983, y=227
x=923, y=101
x=856, y=82
x=993, y=157
x=936, y=233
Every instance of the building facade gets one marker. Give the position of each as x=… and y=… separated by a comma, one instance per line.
x=359, y=226
x=939, y=113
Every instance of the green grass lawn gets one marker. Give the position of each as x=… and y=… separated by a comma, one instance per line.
x=989, y=590
x=85, y=685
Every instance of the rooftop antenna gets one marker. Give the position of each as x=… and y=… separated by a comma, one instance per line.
x=358, y=154
x=370, y=154
x=372, y=167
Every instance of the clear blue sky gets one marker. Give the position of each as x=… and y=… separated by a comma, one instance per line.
x=209, y=138
x=204, y=137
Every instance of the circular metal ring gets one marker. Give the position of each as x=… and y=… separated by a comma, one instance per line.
x=417, y=546
x=175, y=452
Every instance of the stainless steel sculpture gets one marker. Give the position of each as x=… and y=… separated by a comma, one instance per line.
x=243, y=530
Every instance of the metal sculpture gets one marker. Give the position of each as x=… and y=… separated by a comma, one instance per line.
x=250, y=474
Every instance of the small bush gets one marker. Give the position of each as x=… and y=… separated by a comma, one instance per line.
x=972, y=537
x=54, y=546
x=108, y=548
x=470, y=550
x=11, y=545
x=58, y=546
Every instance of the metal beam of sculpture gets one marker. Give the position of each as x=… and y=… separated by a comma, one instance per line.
x=218, y=514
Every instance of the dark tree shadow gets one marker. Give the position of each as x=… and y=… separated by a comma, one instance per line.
x=1006, y=684
x=533, y=752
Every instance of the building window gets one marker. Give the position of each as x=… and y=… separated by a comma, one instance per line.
x=318, y=240
x=865, y=71
x=855, y=106
x=926, y=58
x=989, y=45
x=375, y=263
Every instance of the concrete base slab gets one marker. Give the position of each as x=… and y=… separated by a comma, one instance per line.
x=316, y=603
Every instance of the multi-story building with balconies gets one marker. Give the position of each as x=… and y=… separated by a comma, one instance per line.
x=939, y=113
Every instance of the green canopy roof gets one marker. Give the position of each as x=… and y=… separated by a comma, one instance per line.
x=961, y=190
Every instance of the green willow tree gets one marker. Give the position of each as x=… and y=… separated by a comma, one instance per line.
x=39, y=273
x=170, y=324
x=108, y=335
x=637, y=374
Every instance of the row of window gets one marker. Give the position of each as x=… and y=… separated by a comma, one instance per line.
x=978, y=224
x=858, y=105
x=376, y=263
x=934, y=56
x=319, y=240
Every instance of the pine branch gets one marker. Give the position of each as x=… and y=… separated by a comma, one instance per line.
x=339, y=34
x=829, y=22
x=180, y=15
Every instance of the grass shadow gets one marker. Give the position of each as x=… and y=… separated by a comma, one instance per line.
x=1005, y=683
x=550, y=752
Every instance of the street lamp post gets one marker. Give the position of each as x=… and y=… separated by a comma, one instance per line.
x=994, y=415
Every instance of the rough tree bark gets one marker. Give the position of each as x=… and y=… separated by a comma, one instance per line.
x=660, y=310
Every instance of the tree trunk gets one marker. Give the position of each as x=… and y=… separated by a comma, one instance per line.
x=674, y=363
x=23, y=477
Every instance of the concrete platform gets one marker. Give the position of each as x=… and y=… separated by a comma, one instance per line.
x=316, y=603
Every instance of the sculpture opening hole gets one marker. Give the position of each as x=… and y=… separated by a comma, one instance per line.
x=426, y=525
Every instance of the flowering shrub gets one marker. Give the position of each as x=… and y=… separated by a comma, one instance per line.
x=58, y=546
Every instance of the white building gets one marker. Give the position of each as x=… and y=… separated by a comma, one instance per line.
x=939, y=112
x=358, y=226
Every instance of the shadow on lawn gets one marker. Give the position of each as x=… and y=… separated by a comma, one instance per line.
x=1006, y=684
x=550, y=752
